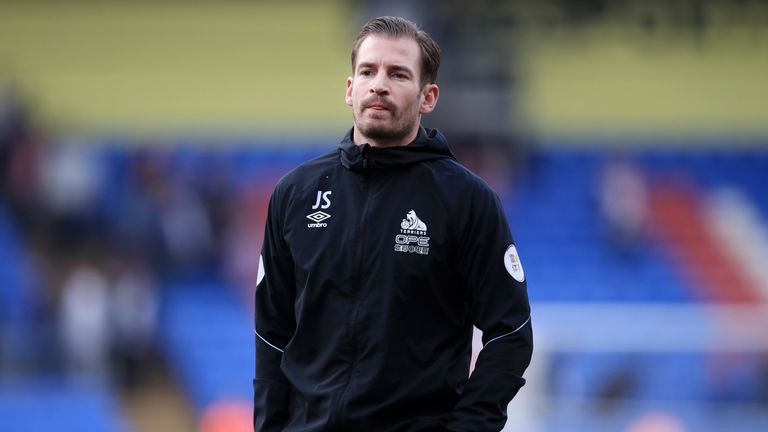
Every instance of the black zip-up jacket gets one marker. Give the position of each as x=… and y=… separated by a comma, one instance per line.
x=376, y=263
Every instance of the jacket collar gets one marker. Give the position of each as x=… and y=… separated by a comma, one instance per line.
x=429, y=144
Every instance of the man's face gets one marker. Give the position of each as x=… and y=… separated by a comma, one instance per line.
x=385, y=92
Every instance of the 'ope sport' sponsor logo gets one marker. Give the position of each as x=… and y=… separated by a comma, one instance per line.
x=413, y=235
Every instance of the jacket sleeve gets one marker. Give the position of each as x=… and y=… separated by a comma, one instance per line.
x=491, y=270
x=274, y=323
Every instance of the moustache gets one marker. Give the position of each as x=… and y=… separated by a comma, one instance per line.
x=377, y=101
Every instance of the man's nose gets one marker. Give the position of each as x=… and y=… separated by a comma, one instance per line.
x=379, y=85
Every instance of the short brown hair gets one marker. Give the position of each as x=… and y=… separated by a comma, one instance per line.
x=396, y=27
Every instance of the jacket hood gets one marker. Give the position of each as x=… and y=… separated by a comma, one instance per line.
x=429, y=144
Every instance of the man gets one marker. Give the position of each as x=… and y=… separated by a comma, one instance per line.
x=378, y=258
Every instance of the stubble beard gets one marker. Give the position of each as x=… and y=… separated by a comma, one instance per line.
x=400, y=125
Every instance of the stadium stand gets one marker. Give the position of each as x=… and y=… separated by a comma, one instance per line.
x=203, y=331
x=206, y=332
x=11, y=293
x=53, y=404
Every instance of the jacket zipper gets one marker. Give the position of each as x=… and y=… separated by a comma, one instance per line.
x=356, y=308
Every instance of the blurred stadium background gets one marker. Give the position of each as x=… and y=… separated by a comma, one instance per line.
x=139, y=142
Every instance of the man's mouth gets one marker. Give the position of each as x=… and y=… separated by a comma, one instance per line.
x=380, y=106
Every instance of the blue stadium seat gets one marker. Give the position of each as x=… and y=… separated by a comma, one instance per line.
x=209, y=340
x=45, y=405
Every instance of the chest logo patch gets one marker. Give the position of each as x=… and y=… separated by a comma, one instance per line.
x=413, y=235
x=323, y=201
x=513, y=264
x=318, y=216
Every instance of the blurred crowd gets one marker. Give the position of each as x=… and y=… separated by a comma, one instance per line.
x=98, y=239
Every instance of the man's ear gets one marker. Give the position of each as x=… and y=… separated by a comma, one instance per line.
x=348, y=97
x=430, y=93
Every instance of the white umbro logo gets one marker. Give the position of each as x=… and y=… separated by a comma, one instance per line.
x=322, y=201
x=318, y=216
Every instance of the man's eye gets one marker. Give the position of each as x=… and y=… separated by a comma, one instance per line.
x=366, y=73
x=399, y=75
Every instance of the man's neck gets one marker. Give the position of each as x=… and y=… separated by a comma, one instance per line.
x=359, y=138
